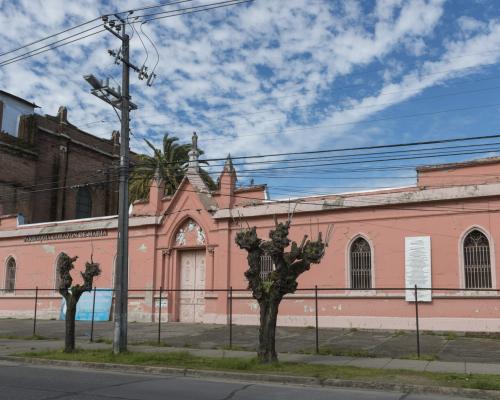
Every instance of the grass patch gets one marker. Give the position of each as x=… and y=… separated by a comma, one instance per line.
x=33, y=337
x=153, y=343
x=399, y=333
x=103, y=340
x=450, y=336
x=332, y=351
x=483, y=335
x=235, y=347
x=423, y=357
x=187, y=360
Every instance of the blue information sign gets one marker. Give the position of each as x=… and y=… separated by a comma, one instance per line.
x=102, y=310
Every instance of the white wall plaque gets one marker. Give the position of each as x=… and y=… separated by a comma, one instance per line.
x=418, y=267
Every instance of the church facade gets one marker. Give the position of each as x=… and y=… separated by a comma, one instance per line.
x=441, y=234
x=51, y=169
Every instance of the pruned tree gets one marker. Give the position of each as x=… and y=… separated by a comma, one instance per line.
x=73, y=293
x=282, y=280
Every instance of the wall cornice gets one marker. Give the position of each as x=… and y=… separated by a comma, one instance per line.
x=363, y=200
x=67, y=227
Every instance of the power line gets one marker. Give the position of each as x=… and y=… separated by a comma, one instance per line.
x=351, y=158
x=353, y=108
x=474, y=66
x=50, y=47
x=86, y=23
x=384, y=146
x=232, y=114
x=168, y=3
x=371, y=70
x=175, y=13
x=369, y=161
x=48, y=37
x=72, y=186
x=397, y=206
x=366, y=121
x=361, y=156
x=193, y=9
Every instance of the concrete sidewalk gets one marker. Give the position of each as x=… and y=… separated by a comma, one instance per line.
x=12, y=346
x=348, y=342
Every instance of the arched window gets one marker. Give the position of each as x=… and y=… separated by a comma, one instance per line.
x=10, y=275
x=477, y=261
x=83, y=203
x=361, y=264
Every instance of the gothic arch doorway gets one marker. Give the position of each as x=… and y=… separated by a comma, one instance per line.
x=190, y=247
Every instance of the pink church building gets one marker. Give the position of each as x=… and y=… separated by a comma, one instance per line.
x=441, y=234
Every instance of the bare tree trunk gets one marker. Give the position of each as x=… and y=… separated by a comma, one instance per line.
x=73, y=294
x=281, y=281
x=69, y=340
x=267, y=331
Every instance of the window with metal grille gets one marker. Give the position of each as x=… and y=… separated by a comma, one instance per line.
x=83, y=203
x=266, y=266
x=361, y=264
x=10, y=275
x=477, y=262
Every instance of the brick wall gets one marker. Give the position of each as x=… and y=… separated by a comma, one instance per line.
x=40, y=172
x=17, y=170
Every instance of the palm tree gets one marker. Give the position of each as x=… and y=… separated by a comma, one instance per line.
x=171, y=163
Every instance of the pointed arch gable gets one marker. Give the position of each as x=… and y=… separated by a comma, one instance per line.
x=184, y=204
x=185, y=192
x=349, y=261
x=462, y=262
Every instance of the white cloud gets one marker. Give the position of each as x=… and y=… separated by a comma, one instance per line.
x=251, y=78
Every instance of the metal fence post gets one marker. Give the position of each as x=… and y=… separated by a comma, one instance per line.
x=416, y=321
x=159, y=316
x=230, y=299
x=317, y=324
x=36, y=306
x=92, y=323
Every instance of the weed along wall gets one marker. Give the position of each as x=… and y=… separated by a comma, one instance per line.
x=437, y=234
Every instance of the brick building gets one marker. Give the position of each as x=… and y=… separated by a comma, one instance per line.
x=52, y=170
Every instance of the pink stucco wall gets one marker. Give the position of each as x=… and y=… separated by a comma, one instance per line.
x=383, y=218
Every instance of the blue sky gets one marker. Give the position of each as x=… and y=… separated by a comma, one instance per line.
x=281, y=75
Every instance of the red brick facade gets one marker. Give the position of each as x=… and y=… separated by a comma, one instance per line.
x=45, y=167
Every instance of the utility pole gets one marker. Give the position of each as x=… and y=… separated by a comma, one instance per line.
x=121, y=269
x=120, y=99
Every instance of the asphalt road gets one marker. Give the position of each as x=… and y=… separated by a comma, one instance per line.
x=27, y=382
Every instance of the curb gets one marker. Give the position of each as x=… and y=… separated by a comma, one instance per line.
x=261, y=378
